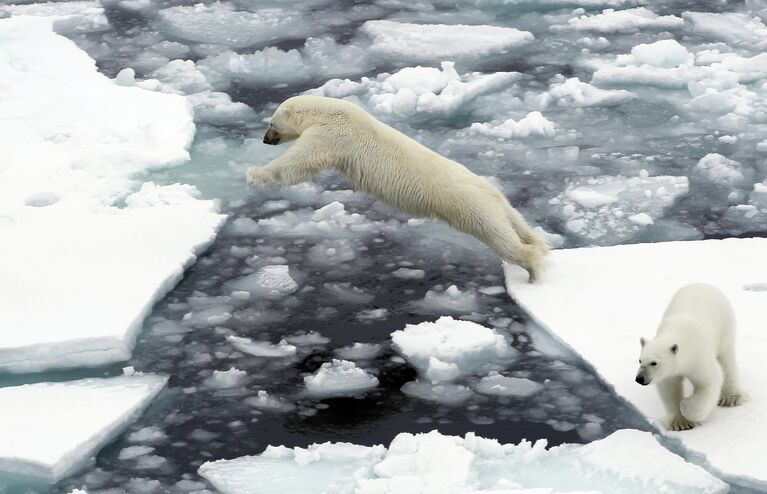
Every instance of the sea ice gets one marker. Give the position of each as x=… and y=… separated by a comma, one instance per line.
x=359, y=351
x=50, y=430
x=220, y=23
x=625, y=21
x=226, y=379
x=339, y=378
x=626, y=462
x=640, y=280
x=435, y=42
x=496, y=384
x=451, y=300
x=262, y=348
x=418, y=90
x=534, y=124
x=599, y=210
x=270, y=281
x=449, y=348
x=67, y=175
x=68, y=17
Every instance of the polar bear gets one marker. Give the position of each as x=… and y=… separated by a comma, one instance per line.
x=695, y=340
x=381, y=161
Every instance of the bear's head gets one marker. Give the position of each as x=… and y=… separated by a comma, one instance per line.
x=298, y=113
x=657, y=361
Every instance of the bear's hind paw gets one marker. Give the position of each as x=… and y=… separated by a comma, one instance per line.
x=680, y=423
x=731, y=400
x=258, y=176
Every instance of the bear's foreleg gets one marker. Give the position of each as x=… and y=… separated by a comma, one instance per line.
x=707, y=388
x=671, y=393
x=296, y=165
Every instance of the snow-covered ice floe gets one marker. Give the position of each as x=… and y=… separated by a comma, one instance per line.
x=600, y=300
x=50, y=430
x=628, y=461
x=86, y=248
x=339, y=378
x=429, y=42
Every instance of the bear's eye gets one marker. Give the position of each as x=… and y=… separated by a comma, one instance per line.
x=653, y=364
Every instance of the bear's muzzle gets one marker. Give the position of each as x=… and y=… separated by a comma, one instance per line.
x=271, y=137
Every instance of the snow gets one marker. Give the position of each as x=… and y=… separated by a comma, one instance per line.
x=70, y=156
x=601, y=313
x=48, y=431
x=625, y=21
x=68, y=17
x=432, y=42
x=628, y=461
x=339, y=378
x=450, y=348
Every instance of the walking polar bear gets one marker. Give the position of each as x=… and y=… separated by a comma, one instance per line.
x=383, y=162
x=695, y=340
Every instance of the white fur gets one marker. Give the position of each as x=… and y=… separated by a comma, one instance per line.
x=397, y=170
x=695, y=341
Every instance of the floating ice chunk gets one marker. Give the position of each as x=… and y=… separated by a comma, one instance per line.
x=665, y=53
x=231, y=378
x=270, y=281
x=628, y=461
x=573, y=92
x=133, y=452
x=738, y=29
x=148, y=435
x=496, y=384
x=182, y=75
x=212, y=316
x=418, y=90
x=262, y=348
x=73, y=157
x=451, y=300
x=332, y=252
x=331, y=221
x=339, y=378
x=359, y=351
x=347, y=293
x=719, y=170
x=534, y=124
x=440, y=392
x=50, y=430
x=312, y=338
x=599, y=209
x=651, y=273
x=433, y=42
x=319, y=468
x=625, y=21
x=67, y=17
x=409, y=274
x=264, y=401
x=372, y=314
x=219, y=23
x=448, y=348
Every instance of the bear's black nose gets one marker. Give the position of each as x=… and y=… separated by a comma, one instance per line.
x=641, y=380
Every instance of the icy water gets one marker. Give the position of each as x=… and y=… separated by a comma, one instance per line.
x=357, y=280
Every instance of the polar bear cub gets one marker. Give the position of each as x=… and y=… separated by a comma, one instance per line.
x=381, y=161
x=696, y=341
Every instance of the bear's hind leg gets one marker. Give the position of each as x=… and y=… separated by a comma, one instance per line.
x=525, y=233
x=505, y=242
x=731, y=395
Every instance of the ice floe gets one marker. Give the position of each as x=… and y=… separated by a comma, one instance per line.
x=434, y=42
x=601, y=300
x=626, y=462
x=625, y=21
x=50, y=430
x=339, y=378
x=68, y=175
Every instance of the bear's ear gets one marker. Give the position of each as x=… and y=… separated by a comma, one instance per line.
x=674, y=348
x=642, y=342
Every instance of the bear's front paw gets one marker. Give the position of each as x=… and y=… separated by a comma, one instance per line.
x=732, y=399
x=259, y=176
x=679, y=423
x=693, y=411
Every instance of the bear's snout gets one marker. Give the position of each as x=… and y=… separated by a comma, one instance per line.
x=271, y=137
x=642, y=380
